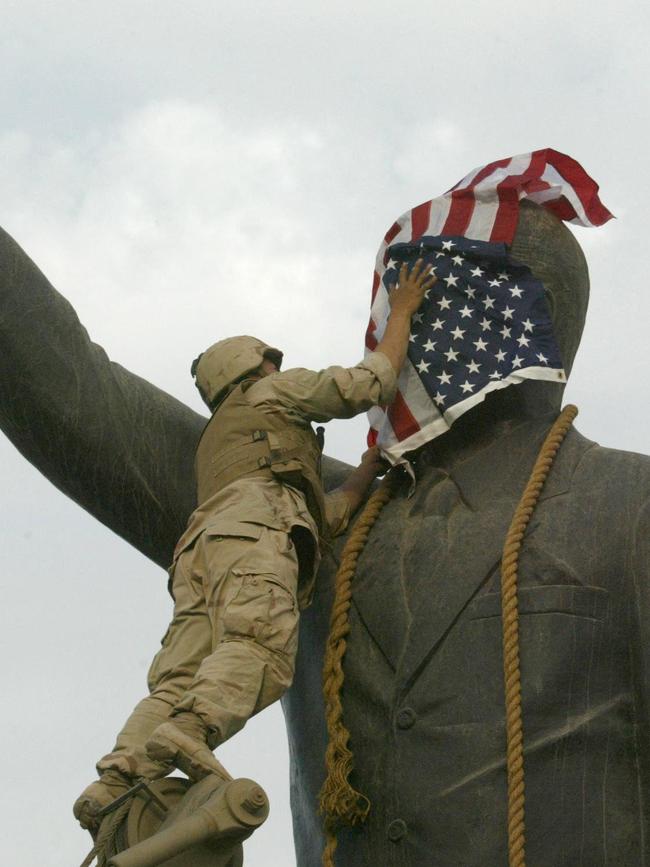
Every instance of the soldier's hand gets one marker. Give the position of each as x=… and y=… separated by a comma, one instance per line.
x=406, y=296
x=372, y=461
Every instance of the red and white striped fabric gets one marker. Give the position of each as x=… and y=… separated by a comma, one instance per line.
x=483, y=206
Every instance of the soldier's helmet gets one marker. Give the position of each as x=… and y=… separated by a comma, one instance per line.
x=228, y=361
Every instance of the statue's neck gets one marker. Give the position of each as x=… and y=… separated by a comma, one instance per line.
x=497, y=416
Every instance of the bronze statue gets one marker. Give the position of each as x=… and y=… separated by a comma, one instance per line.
x=423, y=691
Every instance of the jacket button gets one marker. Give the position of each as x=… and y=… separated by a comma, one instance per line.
x=396, y=830
x=406, y=718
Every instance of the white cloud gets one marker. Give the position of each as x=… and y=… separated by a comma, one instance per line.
x=431, y=150
x=180, y=228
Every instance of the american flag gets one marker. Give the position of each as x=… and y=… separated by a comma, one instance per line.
x=485, y=323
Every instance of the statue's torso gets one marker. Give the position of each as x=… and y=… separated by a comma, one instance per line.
x=423, y=694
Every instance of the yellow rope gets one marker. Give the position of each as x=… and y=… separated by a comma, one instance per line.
x=339, y=801
x=510, y=619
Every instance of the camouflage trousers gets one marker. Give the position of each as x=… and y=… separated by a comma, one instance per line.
x=230, y=648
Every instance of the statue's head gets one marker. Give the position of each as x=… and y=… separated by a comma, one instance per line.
x=549, y=249
x=533, y=301
x=230, y=361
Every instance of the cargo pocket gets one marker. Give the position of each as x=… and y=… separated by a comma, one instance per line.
x=263, y=610
x=234, y=529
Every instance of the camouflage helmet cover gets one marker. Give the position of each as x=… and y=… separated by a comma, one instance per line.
x=228, y=361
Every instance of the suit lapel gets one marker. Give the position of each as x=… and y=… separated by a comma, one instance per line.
x=377, y=589
x=447, y=580
x=429, y=555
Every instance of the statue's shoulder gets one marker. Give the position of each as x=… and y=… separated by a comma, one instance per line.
x=608, y=468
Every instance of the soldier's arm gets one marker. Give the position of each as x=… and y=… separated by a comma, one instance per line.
x=355, y=488
x=404, y=298
x=343, y=392
x=342, y=502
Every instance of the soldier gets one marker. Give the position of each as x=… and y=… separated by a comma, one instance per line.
x=247, y=561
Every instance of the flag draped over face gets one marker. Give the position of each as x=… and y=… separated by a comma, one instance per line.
x=485, y=323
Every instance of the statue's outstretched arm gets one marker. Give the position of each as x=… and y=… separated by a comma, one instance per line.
x=120, y=447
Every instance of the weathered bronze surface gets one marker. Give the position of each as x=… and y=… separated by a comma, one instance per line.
x=423, y=695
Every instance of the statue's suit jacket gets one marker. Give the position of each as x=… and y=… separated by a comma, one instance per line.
x=424, y=696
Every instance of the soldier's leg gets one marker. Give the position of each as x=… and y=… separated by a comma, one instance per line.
x=251, y=596
x=187, y=640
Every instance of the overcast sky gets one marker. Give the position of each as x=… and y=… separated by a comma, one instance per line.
x=182, y=173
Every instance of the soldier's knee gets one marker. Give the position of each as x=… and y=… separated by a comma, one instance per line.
x=282, y=666
x=276, y=676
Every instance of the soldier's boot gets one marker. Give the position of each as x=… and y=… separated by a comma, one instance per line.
x=98, y=795
x=182, y=743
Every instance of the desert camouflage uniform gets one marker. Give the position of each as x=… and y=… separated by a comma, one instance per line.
x=242, y=570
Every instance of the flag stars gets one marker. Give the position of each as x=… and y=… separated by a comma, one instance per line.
x=477, y=331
